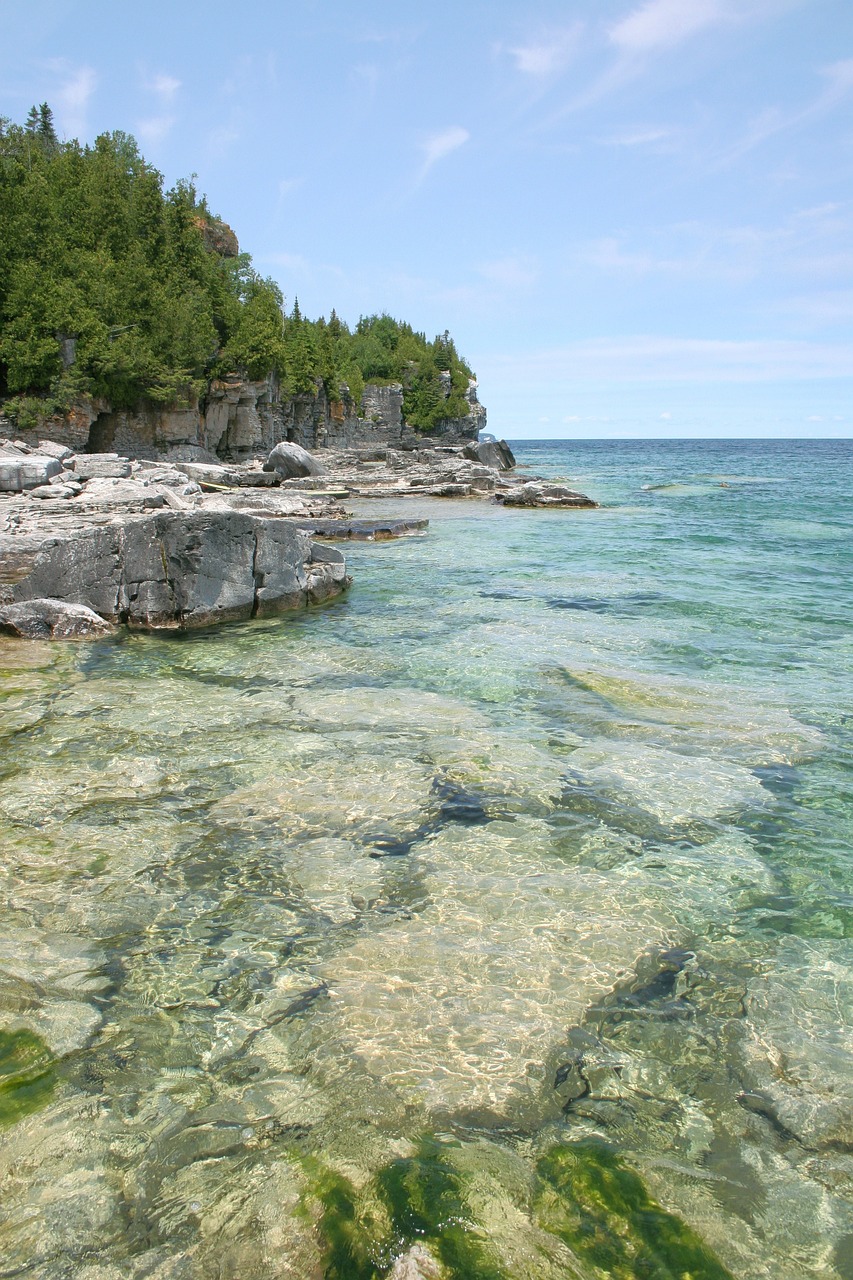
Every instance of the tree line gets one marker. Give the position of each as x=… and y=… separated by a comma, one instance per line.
x=98, y=258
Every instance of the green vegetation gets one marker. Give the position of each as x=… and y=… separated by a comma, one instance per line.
x=583, y=1194
x=27, y=1075
x=143, y=285
x=602, y=1211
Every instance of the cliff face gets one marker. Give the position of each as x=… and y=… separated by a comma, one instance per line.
x=238, y=419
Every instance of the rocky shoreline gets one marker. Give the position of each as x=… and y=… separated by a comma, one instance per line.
x=92, y=541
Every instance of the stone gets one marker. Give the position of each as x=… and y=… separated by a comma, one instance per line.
x=47, y=619
x=103, y=466
x=19, y=472
x=416, y=1263
x=53, y=490
x=492, y=453
x=535, y=493
x=49, y=449
x=178, y=570
x=291, y=460
x=207, y=473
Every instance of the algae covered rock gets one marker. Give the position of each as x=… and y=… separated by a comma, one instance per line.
x=27, y=1075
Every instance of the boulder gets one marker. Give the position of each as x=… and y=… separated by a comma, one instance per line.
x=49, y=449
x=535, y=493
x=291, y=460
x=101, y=466
x=180, y=570
x=26, y=471
x=48, y=619
x=492, y=453
x=54, y=490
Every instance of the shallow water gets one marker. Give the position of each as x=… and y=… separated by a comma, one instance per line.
x=502, y=907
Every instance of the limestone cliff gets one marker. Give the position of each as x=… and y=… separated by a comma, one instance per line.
x=239, y=419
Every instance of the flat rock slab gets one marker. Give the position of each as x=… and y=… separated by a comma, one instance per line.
x=52, y=620
x=26, y=471
x=364, y=530
x=537, y=494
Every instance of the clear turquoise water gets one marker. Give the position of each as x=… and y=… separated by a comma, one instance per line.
x=540, y=838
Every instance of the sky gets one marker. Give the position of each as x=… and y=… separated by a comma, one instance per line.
x=635, y=217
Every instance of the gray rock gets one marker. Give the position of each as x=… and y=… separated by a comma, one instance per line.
x=49, y=449
x=207, y=473
x=179, y=570
x=538, y=494
x=19, y=472
x=47, y=619
x=55, y=490
x=291, y=460
x=103, y=466
x=492, y=453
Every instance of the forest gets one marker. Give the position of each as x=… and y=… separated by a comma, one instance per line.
x=113, y=286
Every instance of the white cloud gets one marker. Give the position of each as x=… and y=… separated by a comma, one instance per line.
x=439, y=145
x=72, y=98
x=639, y=137
x=660, y=24
x=665, y=417
x=550, y=54
x=164, y=86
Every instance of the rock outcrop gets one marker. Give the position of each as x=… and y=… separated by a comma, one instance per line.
x=238, y=419
x=181, y=570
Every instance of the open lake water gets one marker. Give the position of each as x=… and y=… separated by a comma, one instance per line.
x=498, y=913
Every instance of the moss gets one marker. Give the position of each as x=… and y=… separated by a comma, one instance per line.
x=602, y=1211
x=27, y=1075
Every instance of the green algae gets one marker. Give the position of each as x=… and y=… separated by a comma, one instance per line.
x=602, y=1211
x=414, y=1199
x=27, y=1075
x=426, y=1198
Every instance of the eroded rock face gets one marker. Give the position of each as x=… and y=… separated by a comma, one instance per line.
x=180, y=570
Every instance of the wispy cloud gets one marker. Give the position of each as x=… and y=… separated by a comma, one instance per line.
x=683, y=360
x=517, y=271
x=439, y=145
x=165, y=86
x=154, y=129
x=72, y=97
x=640, y=138
x=545, y=55
x=838, y=86
x=661, y=24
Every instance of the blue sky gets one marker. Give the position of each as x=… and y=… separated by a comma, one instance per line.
x=634, y=216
